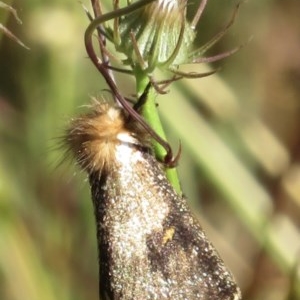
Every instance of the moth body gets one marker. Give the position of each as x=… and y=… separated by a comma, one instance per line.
x=150, y=244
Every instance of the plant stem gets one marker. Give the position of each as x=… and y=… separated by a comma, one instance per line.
x=150, y=113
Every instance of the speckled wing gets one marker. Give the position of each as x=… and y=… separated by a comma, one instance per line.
x=150, y=245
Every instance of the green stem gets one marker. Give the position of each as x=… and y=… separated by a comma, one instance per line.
x=150, y=113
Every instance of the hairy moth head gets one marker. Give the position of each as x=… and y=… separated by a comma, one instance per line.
x=93, y=137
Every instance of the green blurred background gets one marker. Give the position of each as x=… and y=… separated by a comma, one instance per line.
x=239, y=131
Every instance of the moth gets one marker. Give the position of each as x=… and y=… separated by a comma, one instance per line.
x=150, y=244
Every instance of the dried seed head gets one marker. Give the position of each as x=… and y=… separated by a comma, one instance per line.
x=164, y=10
x=156, y=35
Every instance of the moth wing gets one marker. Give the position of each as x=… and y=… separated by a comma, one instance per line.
x=151, y=246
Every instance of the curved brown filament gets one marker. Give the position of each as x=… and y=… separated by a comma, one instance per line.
x=101, y=34
x=217, y=57
x=192, y=75
x=138, y=54
x=170, y=161
x=179, y=42
x=199, y=13
x=6, y=31
x=217, y=37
